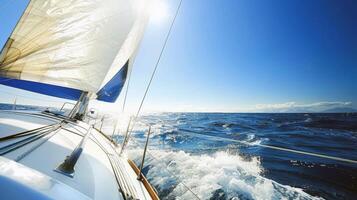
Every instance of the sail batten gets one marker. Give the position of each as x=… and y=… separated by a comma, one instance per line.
x=78, y=44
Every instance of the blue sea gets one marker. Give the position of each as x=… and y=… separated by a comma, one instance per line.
x=195, y=153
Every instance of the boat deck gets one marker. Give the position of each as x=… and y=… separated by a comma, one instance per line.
x=99, y=173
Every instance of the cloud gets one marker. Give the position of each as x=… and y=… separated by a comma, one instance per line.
x=296, y=107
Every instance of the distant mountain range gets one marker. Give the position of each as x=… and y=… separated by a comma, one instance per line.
x=310, y=110
x=330, y=110
x=340, y=110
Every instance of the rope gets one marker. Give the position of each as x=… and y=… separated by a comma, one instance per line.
x=34, y=135
x=26, y=133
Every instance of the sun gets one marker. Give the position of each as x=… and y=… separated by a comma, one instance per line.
x=158, y=11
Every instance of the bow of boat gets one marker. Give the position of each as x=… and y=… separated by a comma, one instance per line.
x=33, y=145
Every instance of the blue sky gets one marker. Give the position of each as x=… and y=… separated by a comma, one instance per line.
x=243, y=55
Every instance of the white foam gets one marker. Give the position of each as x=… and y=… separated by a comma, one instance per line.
x=308, y=120
x=205, y=174
x=250, y=137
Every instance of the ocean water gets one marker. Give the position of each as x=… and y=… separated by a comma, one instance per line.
x=193, y=154
x=189, y=153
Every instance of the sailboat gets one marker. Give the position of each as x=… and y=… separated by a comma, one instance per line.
x=77, y=50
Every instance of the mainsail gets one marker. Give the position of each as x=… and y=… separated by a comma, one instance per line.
x=64, y=47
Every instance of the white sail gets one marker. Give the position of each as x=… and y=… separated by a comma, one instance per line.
x=73, y=43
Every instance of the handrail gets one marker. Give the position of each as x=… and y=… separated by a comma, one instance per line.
x=126, y=138
x=101, y=121
x=170, y=172
x=144, y=153
x=65, y=103
x=107, y=137
x=151, y=190
x=14, y=105
x=101, y=125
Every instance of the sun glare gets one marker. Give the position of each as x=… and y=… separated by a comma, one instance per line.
x=158, y=11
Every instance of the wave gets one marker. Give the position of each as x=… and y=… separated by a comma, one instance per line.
x=216, y=169
x=326, y=123
x=221, y=175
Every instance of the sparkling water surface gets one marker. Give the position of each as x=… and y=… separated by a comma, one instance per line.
x=191, y=148
x=194, y=153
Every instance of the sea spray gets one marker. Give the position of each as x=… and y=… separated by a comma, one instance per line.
x=220, y=175
x=183, y=140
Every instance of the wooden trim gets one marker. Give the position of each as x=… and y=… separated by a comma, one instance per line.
x=107, y=137
x=149, y=188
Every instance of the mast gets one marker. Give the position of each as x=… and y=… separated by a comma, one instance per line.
x=79, y=110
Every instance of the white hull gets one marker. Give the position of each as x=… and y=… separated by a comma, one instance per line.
x=100, y=172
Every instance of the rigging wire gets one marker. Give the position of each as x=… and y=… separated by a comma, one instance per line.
x=154, y=71
x=249, y=144
x=169, y=171
x=286, y=149
x=279, y=148
x=159, y=59
x=126, y=91
x=124, y=101
x=216, y=137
